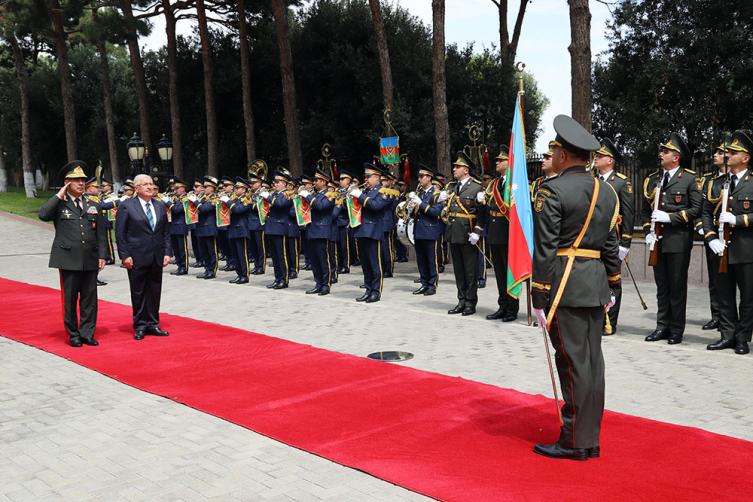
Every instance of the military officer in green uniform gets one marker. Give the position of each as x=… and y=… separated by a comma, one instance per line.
x=606, y=159
x=680, y=205
x=575, y=264
x=546, y=168
x=712, y=192
x=736, y=324
x=466, y=218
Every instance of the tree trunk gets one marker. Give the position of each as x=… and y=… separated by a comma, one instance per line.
x=288, y=88
x=384, y=55
x=107, y=100
x=441, y=122
x=508, y=48
x=3, y=170
x=248, y=114
x=138, y=72
x=580, y=61
x=69, y=113
x=172, y=67
x=25, y=128
x=206, y=56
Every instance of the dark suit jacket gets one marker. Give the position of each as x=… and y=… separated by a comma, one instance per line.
x=80, y=239
x=135, y=236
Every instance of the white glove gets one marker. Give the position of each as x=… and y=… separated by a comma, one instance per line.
x=727, y=217
x=416, y=200
x=540, y=316
x=164, y=199
x=480, y=197
x=473, y=238
x=304, y=193
x=356, y=193
x=264, y=194
x=717, y=246
x=410, y=207
x=442, y=196
x=660, y=217
x=192, y=198
x=224, y=198
x=650, y=238
x=623, y=252
x=612, y=299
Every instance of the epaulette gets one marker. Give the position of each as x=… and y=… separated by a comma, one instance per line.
x=620, y=175
x=710, y=173
x=389, y=191
x=652, y=174
x=476, y=181
x=691, y=172
x=92, y=198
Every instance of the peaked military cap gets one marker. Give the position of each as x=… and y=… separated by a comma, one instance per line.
x=572, y=136
x=73, y=169
x=741, y=142
x=344, y=174
x=178, y=182
x=437, y=182
x=170, y=180
x=266, y=184
x=211, y=181
x=252, y=178
x=608, y=149
x=425, y=171
x=280, y=176
x=465, y=161
x=550, y=152
x=371, y=169
x=305, y=178
x=91, y=183
x=241, y=182
x=106, y=182
x=677, y=144
x=504, y=153
x=227, y=180
x=322, y=175
x=198, y=182
x=488, y=175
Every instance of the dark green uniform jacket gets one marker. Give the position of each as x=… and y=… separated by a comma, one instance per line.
x=740, y=203
x=462, y=205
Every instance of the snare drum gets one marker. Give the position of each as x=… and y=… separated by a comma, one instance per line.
x=406, y=231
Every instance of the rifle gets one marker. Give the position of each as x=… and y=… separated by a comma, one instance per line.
x=655, y=229
x=724, y=229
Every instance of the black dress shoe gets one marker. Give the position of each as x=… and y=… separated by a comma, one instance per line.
x=313, y=291
x=499, y=314
x=233, y=281
x=155, y=331
x=481, y=284
x=712, y=324
x=357, y=263
x=139, y=335
x=258, y=272
x=281, y=285
x=101, y=283
x=509, y=317
x=387, y=275
x=196, y=264
x=657, y=335
x=227, y=268
x=334, y=281
x=430, y=292
x=242, y=280
x=557, y=451
x=324, y=292
x=420, y=290
x=292, y=275
x=594, y=452
x=441, y=269
x=741, y=347
x=179, y=272
x=674, y=339
x=272, y=286
x=363, y=298
x=721, y=344
x=201, y=276
x=457, y=310
x=362, y=286
x=209, y=276
x=403, y=260
x=469, y=311
x=89, y=341
x=75, y=342
x=109, y=261
x=372, y=299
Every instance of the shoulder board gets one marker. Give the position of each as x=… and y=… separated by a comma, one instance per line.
x=689, y=171
x=544, y=191
x=620, y=175
x=651, y=175
x=710, y=174
x=476, y=181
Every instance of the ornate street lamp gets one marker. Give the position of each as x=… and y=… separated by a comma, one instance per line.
x=165, y=150
x=136, y=152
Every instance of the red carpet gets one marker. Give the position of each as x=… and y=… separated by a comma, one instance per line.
x=448, y=438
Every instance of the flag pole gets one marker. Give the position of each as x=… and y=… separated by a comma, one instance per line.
x=519, y=67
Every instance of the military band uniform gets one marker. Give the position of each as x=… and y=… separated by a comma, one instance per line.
x=238, y=234
x=109, y=206
x=292, y=252
x=334, y=237
x=257, y=249
x=388, y=227
x=178, y=233
x=426, y=238
x=483, y=244
x=197, y=182
x=682, y=199
x=344, y=237
x=318, y=233
x=276, y=231
x=498, y=226
x=370, y=234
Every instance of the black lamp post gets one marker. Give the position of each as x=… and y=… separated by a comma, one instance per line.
x=136, y=152
x=165, y=150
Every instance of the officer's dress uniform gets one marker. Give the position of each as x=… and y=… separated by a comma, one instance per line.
x=388, y=218
x=682, y=199
x=78, y=246
x=293, y=244
x=370, y=235
x=344, y=238
x=318, y=235
x=194, y=236
x=223, y=241
x=426, y=234
x=109, y=205
x=401, y=251
x=736, y=323
x=276, y=231
x=563, y=229
x=238, y=236
x=498, y=227
x=711, y=192
x=257, y=248
x=334, y=237
x=206, y=233
x=178, y=233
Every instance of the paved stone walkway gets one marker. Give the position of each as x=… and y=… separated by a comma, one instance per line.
x=70, y=433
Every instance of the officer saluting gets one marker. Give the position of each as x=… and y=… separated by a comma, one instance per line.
x=736, y=324
x=575, y=262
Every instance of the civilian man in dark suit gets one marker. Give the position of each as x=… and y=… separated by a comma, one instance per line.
x=143, y=236
x=78, y=251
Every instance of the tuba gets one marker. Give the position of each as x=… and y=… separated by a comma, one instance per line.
x=258, y=168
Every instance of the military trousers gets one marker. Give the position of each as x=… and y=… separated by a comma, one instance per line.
x=671, y=277
x=79, y=291
x=179, y=250
x=371, y=263
x=320, y=261
x=388, y=255
x=223, y=244
x=343, y=248
x=292, y=252
x=427, y=256
x=109, y=253
x=278, y=249
x=736, y=324
x=401, y=250
x=196, y=248
x=499, y=261
x=465, y=263
x=576, y=337
x=208, y=247
x=333, y=259
x=353, y=244
x=712, y=265
x=239, y=249
x=257, y=251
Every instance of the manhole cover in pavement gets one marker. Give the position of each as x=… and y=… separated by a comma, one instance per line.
x=391, y=355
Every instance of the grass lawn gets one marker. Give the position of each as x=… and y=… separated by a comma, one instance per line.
x=15, y=201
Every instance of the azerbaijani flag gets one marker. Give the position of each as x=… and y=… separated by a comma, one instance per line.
x=518, y=198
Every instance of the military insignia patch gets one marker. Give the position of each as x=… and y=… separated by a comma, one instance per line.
x=384, y=197
x=467, y=202
x=539, y=206
x=91, y=210
x=746, y=204
x=678, y=198
x=699, y=185
x=67, y=214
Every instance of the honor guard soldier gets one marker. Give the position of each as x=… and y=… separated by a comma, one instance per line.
x=198, y=190
x=483, y=243
x=307, y=184
x=319, y=231
x=223, y=242
x=78, y=251
x=546, y=168
x=713, y=192
x=178, y=226
x=237, y=232
x=733, y=245
x=498, y=227
x=278, y=221
x=206, y=229
x=374, y=200
x=575, y=263
x=257, y=248
x=607, y=158
x=344, y=238
x=426, y=231
x=466, y=218
x=674, y=216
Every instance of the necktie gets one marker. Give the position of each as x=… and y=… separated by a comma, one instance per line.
x=78, y=204
x=732, y=182
x=666, y=180
x=149, y=215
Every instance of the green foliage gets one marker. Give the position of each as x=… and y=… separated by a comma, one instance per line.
x=675, y=66
x=15, y=201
